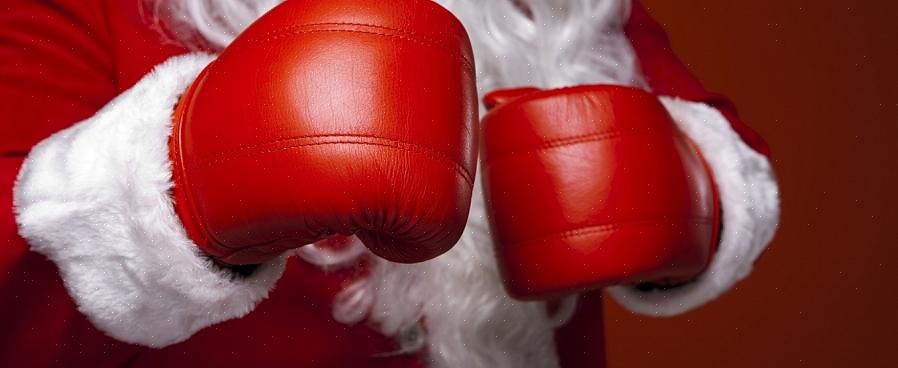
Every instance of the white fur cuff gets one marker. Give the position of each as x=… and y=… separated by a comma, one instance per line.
x=750, y=206
x=94, y=198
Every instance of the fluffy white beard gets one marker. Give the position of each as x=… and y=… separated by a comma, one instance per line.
x=543, y=43
x=470, y=320
x=548, y=43
x=203, y=24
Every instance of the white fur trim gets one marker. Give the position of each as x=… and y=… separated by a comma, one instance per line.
x=750, y=206
x=94, y=198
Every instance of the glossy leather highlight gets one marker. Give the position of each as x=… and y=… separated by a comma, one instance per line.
x=593, y=186
x=331, y=117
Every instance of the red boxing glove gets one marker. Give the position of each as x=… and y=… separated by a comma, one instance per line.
x=331, y=117
x=593, y=186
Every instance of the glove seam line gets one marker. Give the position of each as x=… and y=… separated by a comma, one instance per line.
x=608, y=227
x=422, y=150
x=574, y=140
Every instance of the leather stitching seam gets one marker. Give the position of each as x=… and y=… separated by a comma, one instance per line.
x=574, y=140
x=604, y=228
x=316, y=140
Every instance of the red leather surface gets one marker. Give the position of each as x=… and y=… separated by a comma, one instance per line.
x=331, y=117
x=593, y=186
x=60, y=61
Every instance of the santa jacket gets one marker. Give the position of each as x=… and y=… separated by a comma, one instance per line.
x=88, y=278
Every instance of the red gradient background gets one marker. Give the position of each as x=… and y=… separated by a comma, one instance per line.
x=818, y=79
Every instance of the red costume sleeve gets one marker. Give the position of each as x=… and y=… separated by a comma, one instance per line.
x=45, y=86
x=667, y=75
x=738, y=159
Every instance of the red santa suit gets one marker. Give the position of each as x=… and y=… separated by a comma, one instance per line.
x=96, y=269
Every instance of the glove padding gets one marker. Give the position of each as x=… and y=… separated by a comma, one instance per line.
x=593, y=186
x=330, y=117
